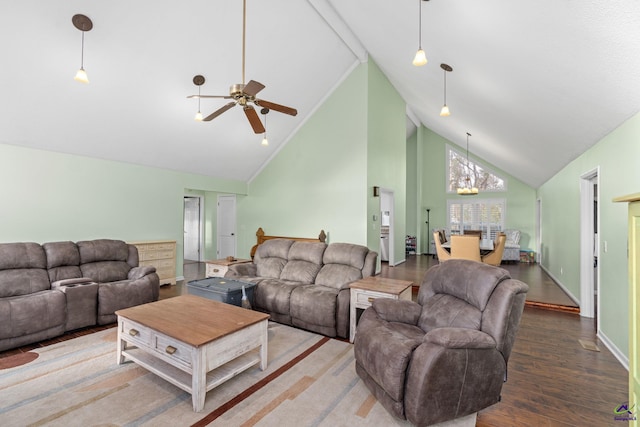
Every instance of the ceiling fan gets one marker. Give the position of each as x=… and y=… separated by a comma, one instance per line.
x=243, y=94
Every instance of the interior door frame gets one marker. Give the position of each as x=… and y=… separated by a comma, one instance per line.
x=588, y=282
x=218, y=217
x=390, y=196
x=200, y=225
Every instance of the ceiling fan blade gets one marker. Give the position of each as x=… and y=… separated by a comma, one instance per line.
x=252, y=115
x=210, y=96
x=252, y=88
x=276, y=107
x=219, y=111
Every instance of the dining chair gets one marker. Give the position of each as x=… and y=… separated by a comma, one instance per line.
x=442, y=253
x=473, y=233
x=495, y=256
x=465, y=247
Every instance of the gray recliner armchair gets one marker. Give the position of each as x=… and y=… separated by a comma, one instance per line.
x=444, y=356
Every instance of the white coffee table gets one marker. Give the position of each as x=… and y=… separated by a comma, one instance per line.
x=194, y=343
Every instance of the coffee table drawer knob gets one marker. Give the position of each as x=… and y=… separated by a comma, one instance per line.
x=370, y=299
x=133, y=332
x=170, y=349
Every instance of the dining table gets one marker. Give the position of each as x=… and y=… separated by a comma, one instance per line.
x=486, y=246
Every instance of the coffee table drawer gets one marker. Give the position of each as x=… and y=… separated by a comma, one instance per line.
x=172, y=349
x=136, y=333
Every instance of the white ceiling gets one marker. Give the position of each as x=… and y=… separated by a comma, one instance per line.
x=536, y=83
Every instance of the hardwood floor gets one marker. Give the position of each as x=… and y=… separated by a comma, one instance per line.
x=552, y=379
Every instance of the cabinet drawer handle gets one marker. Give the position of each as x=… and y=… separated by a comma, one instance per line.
x=370, y=299
x=170, y=349
x=133, y=332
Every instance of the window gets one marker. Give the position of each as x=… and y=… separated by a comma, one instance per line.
x=458, y=169
x=486, y=215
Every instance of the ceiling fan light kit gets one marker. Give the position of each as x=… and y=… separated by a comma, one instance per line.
x=243, y=94
x=468, y=189
x=421, y=58
x=84, y=24
x=265, y=141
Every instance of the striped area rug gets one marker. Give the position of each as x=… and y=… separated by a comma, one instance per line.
x=310, y=381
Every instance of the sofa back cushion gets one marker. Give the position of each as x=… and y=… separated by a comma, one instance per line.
x=304, y=262
x=22, y=269
x=343, y=264
x=63, y=260
x=271, y=257
x=104, y=260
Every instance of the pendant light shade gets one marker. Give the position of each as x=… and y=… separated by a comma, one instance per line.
x=444, y=112
x=421, y=58
x=84, y=24
x=467, y=189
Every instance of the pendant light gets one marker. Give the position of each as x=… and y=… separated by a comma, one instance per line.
x=467, y=189
x=84, y=24
x=445, y=108
x=421, y=58
x=265, y=141
x=198, y=80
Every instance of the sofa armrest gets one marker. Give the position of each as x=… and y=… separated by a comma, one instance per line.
x=139, y=272
x=460, y=338
x=402, y=311
x=245, y=269
x=59, y=284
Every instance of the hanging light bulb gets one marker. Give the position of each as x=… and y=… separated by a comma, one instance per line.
x=198, y=117
x=421, y=58
x=84, y=24
x=444, y=112
x=467, y=189
x=265, y=141
x=198, y=80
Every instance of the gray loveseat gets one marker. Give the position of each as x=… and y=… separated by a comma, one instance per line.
x=306, y=284
x=48, y=289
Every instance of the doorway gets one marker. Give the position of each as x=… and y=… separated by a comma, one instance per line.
x=192, y=217
x=226, y=225
x=387, y=239
x=589, y=246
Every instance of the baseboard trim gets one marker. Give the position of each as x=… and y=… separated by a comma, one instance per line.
x=624, y=360
x=560, y=285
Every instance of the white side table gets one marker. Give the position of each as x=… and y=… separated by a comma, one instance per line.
x=219, y=267
x=364, y=291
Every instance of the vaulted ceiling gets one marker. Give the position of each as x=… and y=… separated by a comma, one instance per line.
x=535, y=83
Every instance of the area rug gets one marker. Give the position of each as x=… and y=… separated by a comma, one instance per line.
x=310, y=381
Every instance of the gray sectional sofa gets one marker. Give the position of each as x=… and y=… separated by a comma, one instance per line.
x=48, y=289
x=306, y=284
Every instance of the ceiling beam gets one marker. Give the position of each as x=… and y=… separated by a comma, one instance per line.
x=335, y=21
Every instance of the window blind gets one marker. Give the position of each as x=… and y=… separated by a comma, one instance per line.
x=487, y=215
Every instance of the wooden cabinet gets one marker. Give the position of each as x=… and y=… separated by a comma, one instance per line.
x=162, y=255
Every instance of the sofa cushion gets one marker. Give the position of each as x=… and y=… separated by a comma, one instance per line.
x=473, y=282
x=314, y=304
x=63, y=260
x=25, y=315
x=343, y=263
x=104, y=260
x=271, y=257
x=304, y=261
x=274, y=295
x=22, y=269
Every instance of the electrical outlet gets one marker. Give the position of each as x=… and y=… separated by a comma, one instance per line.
x=561, y=271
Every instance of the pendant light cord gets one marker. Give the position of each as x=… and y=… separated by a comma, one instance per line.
x=244, y=31
x=420, y=25
x=82, y=50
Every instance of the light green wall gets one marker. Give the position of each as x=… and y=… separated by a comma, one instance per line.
x=49, y=196
x=521, y=198
x=386, y=157
x=318, y=180
x=617, y=156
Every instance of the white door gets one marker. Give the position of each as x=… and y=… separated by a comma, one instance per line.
x=192, y=228
x=226, y=226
